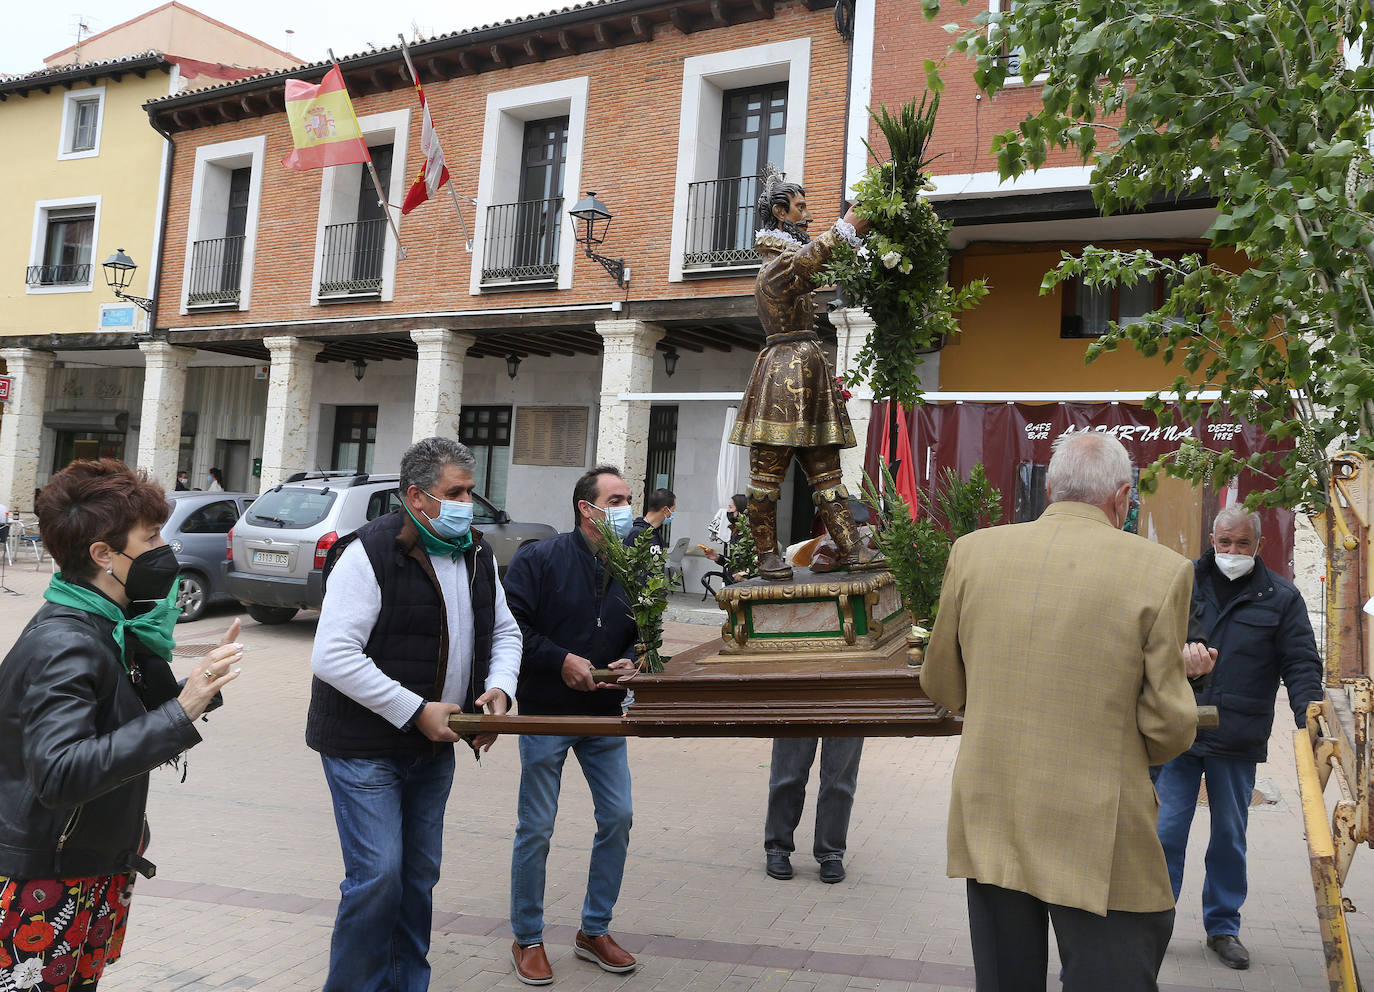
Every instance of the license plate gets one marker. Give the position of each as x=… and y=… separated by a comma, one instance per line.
x=269, y=558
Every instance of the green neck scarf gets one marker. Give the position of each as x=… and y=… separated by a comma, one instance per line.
x=436, y=545
x=153, y=628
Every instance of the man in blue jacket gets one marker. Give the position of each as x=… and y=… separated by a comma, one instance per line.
x=574, y=617
x=1259, y=628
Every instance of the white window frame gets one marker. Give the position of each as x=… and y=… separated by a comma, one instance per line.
x=40, y=236
x=67, y=132
x=225, y=155
x=705, y=79
x=503, y=139
x=390, y=128
x=1014, y=82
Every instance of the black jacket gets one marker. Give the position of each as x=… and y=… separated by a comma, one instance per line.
x=409, y=641
x=566, y=602
x=1261, y=636
x=77, y=741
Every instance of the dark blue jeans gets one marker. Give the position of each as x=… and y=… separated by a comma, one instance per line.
x=1230, y=784
x=390, y=815
x=606, y=767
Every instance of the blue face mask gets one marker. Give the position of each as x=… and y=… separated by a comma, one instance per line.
x=621, y=519
x=454, y=519
x=668, y=519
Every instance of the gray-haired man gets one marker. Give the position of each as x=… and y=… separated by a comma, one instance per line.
x=414, y=627
x=1257, y=623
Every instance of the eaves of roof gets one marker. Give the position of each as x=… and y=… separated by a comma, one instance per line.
x=45, y=79
x=518, y=41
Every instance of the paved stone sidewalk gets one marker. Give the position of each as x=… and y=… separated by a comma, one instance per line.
x=248, y=863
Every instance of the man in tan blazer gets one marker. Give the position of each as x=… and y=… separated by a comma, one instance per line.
x=1061, y=643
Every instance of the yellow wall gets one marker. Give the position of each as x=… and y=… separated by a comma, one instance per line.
x=127, y=176
x=1011, y=342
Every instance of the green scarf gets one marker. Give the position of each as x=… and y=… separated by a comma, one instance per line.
x=436, y=545
x=153, y=628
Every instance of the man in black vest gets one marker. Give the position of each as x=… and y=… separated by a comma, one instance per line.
x=574, y=618
x=414, y=627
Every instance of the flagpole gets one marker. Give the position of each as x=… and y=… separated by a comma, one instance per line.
x=415, y=78
x=376, y=179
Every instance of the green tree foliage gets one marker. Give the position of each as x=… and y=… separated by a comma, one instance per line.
x=900, y=275
x=1252, y=102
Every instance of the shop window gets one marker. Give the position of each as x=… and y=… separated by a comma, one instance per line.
x=355, y=438
x=486, y=430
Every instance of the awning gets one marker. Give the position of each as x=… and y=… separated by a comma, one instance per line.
x=94, y=421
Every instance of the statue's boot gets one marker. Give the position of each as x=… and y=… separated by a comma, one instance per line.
x=763, y=524
x=855, y=555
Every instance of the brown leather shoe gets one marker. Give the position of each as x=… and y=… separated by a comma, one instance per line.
x=605, y=952
x=532, y=964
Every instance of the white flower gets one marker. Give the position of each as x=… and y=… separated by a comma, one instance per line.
x=891, y=259
x=28, y=973
x=906, y=267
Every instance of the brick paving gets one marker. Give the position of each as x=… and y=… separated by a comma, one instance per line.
x=248, y=862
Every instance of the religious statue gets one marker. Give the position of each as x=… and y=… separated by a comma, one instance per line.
x=792, y=404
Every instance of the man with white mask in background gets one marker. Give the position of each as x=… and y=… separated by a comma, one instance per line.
x=1257, y=623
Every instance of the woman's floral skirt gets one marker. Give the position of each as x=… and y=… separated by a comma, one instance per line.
x=57, y=935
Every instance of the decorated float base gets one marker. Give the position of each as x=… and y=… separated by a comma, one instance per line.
x=819, y=656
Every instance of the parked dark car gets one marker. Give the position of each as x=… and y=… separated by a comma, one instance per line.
x=197, y=530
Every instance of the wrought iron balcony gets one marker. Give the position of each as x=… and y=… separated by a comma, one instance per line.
x=216, y=271
x=721, y=220
x=352, y=261
x=58, y=275
x=521, y=243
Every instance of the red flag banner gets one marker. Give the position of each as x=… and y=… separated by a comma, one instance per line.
x=433, y=169
x=323, y=128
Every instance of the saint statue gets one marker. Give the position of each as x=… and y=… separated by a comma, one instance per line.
x=792, y=404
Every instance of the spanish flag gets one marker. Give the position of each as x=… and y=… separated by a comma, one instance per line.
x=323, y=127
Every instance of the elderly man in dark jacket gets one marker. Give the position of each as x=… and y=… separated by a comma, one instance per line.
x=1258, y=625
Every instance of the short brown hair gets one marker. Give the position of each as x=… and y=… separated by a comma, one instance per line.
x=90, y=501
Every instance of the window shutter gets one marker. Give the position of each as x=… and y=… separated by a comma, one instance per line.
x=551, y=435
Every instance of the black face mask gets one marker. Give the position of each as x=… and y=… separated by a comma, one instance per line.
x=151, y=575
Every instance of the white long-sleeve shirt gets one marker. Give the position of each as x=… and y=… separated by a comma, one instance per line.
x=350, y=612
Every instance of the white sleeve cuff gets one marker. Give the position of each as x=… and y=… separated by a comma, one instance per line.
x=846, y=230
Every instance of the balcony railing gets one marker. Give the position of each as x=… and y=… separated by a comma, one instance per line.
x=216, y=271
x=721, y=220
x=522, y=241
x=352, y=261
x=58, y=275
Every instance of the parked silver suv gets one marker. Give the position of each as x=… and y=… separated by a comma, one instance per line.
x=278, y=548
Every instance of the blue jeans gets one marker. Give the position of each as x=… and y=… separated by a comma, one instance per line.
x=390, y=815
x=606, y=767
x=1230, y=784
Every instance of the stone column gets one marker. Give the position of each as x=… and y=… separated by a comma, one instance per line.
x=627, y=366
x=164, y=396
x=852, y=327
x=21, y=427
x=439, y=381
x=285, y=438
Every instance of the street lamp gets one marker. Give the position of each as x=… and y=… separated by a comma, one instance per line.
x=359, y=368
x=119, y=269
x=596, y=221
x=670, y=357
x=512, y=364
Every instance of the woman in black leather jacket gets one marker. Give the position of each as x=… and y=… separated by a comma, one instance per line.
x=88, y=707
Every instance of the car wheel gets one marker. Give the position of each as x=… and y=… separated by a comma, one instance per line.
x=193, y=597
x=271, y=614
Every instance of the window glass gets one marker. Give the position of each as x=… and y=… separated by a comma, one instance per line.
x=67, y=247
x=1137, y=300
x=294, y=508
x=382, y=503
x=86, y=114
x=1030, y=492
x=483, y=513
x=212, y=518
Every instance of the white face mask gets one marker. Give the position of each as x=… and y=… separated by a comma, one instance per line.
x=1234, y=566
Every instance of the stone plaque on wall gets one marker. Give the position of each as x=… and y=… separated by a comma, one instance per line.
x=551, y=435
